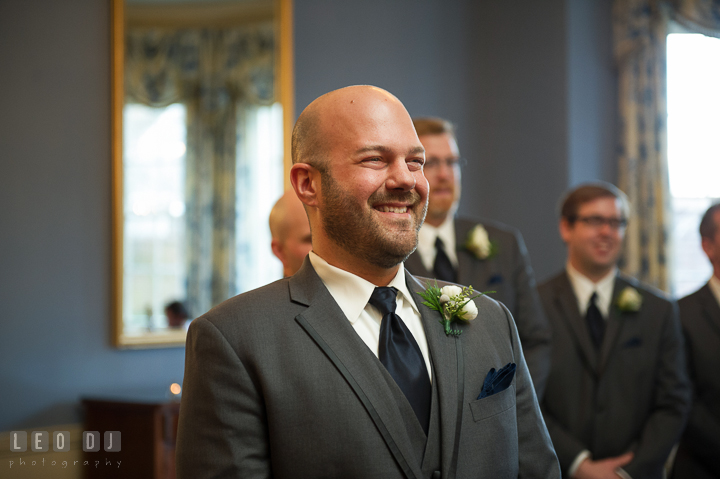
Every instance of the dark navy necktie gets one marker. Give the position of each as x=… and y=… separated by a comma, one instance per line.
x=401, y=356
x=443, y=268
x=595, y=322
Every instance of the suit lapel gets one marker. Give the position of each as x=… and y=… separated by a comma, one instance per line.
x=566, y=302
x=710, y=306
x=446, y=357
x=465, y=273
x=414, y=262
x=325, y=322
x=614, y=325
x=471, y=270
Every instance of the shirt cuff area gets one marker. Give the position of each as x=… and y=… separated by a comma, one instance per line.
x=621, y=472
x=578, y=460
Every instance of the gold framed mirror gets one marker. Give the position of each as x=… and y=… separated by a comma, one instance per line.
x=202, y=113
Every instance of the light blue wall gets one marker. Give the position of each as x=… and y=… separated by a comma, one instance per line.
x=510, y=74
x=55, y=218
x=517, y=123
x=592, y=93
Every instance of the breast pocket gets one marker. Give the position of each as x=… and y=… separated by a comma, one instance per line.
x=493, y=405
x=493, y=430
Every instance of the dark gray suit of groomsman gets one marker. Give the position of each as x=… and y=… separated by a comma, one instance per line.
x=510, y=275
x=699, y=453
x=631, y=395
x=278, y=384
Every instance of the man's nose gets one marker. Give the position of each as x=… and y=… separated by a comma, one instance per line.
x=444, y=169
x=400, y=177
x=606, y=229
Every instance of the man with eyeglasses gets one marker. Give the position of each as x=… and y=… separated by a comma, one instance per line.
x=486, y=254
x=618, y=395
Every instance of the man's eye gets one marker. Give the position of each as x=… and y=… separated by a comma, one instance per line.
x=416, y=163
x=376, y=159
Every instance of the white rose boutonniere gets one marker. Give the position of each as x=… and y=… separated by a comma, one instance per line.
x=629, y=300
x=479, y=244
x=454, y=304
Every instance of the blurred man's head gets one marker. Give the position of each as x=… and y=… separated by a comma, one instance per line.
x=290, y=230
x=358, y=168
x=442, y=167
x=593, y=218
x=176, y=314
x=710, y=236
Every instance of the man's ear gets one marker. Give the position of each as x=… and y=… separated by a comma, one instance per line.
x=711, y=250
x=565, y=229
x=277, y=250
x=305, y=180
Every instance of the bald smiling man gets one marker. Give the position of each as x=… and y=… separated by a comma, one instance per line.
x=290, y=230
x=340, y=371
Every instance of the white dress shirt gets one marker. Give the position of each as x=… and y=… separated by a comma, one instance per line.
x=352, y=294
x=426, y=242
x=584, y=288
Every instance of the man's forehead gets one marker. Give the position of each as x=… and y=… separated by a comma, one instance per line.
x=440, y=143
x=375, y=127
x=603, y=204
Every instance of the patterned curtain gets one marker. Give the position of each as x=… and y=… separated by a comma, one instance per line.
x=700, y=16
x=214, y=73
x=640, y=31
x=639, y=28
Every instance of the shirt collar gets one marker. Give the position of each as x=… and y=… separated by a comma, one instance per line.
x=714, y=285
x=351, y=292
x=426, y=241
x=584, y=288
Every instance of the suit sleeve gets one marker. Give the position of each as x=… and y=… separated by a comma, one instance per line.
x=567, y=446
x=535, y=449
x=533, y=327
x=702, y=435
x=665, y=423
x=222, y=429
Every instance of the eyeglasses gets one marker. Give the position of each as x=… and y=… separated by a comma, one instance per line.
x=433, y=162
x=598, y=221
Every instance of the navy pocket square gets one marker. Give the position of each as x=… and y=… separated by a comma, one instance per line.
x=497, y=381
x=495, y=279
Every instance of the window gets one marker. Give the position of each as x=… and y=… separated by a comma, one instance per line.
x=693, y=75
x=154, y=266
x=159, y=253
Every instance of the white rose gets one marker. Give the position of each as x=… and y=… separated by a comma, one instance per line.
x=451, y=291
x=468, y=312
x=630, y=300
x=479, y=243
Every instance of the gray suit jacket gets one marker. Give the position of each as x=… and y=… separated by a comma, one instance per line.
x=632, y=396
x=699, y=453
x=510, y=275
x=278, y=384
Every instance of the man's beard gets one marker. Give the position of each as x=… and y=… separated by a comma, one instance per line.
x=356, y=231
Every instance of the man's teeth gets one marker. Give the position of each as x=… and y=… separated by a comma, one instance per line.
x=392, y=209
